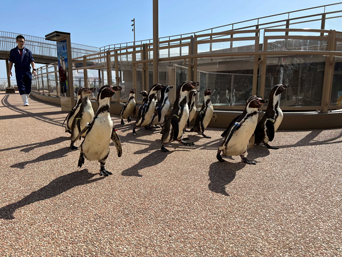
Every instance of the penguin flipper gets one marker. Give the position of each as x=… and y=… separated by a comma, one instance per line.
x=225, y=133
x=198, y=122
x=81, y=133
x=117, y=142
x=175, y=126
x=123, y=109
x=134, y=110
x=270, y=130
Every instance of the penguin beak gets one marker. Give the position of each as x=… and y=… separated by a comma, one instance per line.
x=117, y=88
x=263, y=101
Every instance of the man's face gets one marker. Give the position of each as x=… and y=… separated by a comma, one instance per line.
x=21, y=43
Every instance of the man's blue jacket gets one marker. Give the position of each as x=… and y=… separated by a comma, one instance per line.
x=21, y=65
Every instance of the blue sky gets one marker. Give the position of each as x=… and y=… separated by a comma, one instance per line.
x=99, y=23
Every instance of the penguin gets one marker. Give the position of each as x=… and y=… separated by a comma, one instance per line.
x=205, y=115
x=83, y=115
x=129, y=108
x=272, y=118
x=192, y=105
x=162, y=107
x=175, y=123
x=147, y=109
x=240, y=130
x=143, y=106
x=98, y=133
x=226, y=99
x=71, y=115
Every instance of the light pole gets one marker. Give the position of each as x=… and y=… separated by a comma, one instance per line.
x=133, y=29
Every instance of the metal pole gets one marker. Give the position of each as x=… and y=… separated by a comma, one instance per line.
x=8, y=77
x=155, y=42
x=70, y=74
x=133, y=24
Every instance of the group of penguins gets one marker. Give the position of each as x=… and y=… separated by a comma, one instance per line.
x=97, y=128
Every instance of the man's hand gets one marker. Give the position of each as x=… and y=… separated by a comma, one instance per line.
x=34, y=73
x=10, y=74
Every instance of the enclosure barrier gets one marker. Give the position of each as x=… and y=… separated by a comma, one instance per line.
x=237, y=66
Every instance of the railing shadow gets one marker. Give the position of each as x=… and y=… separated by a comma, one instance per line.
x=307, y=140
x=54, y=188
x=30, y=147
x=26, y=114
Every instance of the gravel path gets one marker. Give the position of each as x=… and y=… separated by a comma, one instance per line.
x=184, y=203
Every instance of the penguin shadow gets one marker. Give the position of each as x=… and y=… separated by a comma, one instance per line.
x=30, y=147
x=258, y=151
x=150, y=160
x=154, y=145
x=54, y=188
x=60, y=153
x=203, y=143
x=45, y=143
x=221, y=174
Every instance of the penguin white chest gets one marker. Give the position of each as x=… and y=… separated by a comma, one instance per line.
x=129, y=109
x=208, y=115
x=192, y=113
x=238, y=143
x=278, y=120
x=96, y=143
x=183, y=120
x=87, y=117
x=149, y=113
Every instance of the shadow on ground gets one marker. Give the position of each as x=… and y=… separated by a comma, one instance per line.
x=54, y=188
x=150, y=160
x=59, y=153
x=221, y=174
x=42, y=116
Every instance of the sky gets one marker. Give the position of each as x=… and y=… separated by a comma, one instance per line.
x=99, y=23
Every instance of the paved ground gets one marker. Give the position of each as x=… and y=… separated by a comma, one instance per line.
x=184, y=203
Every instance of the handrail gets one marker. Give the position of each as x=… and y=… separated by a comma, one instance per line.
x=41, y=46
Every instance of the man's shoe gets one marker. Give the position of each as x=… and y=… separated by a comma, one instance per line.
x=25, y=99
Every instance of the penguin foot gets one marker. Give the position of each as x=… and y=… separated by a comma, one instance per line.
x=245, y=160
x=163, y=149
x=122, y=122
x=186, y=143
x=72, y=147
x=81, y=160
x=205, y=136
x=186, y=138
x=271, y=147
x=129, y=119
x=148, y=127
x=134, y=133
x=104, y=172
x=219, y=158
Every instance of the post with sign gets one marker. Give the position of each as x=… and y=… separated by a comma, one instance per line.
x=64, y=68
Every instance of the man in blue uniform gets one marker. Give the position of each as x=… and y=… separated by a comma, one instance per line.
x=22, y=58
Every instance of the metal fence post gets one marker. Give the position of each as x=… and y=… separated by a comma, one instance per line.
x=328, y=73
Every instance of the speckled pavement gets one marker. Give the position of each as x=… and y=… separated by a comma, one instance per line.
x=184, y=203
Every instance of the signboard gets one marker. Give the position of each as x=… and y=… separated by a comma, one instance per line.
x=63, y=66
